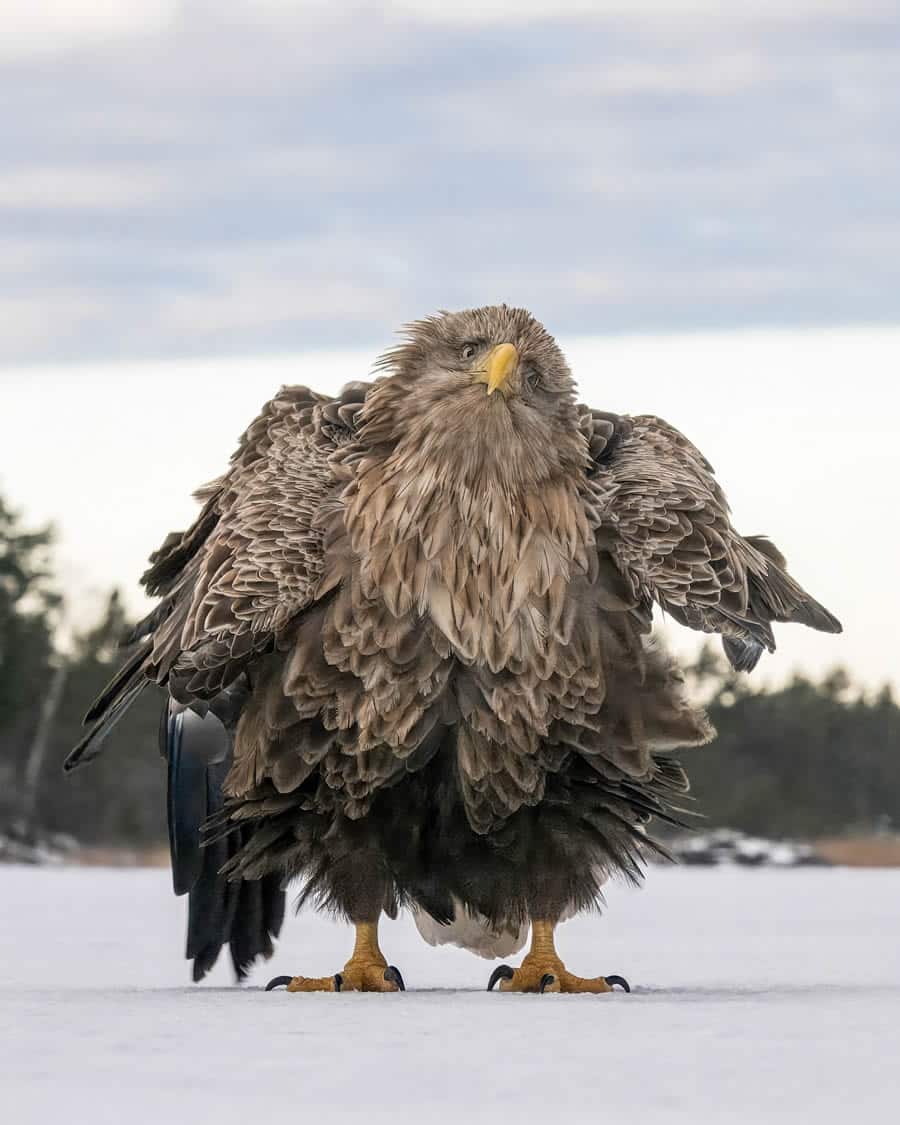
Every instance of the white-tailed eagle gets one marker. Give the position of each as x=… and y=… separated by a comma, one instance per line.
x=407, y=649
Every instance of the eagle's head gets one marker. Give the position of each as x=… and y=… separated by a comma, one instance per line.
x=483, y=397
x=463, y=495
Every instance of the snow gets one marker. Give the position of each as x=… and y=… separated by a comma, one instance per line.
x=760, y=995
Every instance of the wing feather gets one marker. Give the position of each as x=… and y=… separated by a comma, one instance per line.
x=252, y=560
x=662, y=517
x=262, y=561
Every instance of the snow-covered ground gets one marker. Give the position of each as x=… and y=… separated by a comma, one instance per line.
x=759, y=996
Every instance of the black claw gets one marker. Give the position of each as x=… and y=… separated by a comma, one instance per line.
x=277, y=982
x=338, y=982
x=392, y=974
x=546, y=980
x=620, y=981
x=502, y=972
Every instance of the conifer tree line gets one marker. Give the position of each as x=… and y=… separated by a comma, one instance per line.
x=804, y=760
x=121, y=798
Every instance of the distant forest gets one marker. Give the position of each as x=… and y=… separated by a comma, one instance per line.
x=809, y=759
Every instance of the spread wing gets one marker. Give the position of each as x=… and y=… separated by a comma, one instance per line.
x=662, y=517
x=252, y=560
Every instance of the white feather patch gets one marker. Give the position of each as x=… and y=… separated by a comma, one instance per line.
x=475, y=933
x=472, y=932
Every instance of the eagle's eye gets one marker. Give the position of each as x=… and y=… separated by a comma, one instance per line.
x=532, y=377
x=468, y=350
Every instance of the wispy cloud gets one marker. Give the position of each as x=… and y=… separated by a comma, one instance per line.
x=65, y=25
x=190, y=177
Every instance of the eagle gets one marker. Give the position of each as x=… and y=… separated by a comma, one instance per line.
x=406, y=647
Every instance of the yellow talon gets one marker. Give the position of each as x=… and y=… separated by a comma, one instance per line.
x=366, y=971
x=542, y=970
x=314, y=984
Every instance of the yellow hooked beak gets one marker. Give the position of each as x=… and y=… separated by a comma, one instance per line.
x=499, y=364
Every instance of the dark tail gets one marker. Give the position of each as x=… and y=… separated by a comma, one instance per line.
x=245, y=915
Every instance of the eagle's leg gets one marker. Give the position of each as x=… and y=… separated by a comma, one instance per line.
x=366, y=971
x=542, y=969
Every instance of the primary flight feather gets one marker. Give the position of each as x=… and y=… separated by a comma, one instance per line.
x=420, y=613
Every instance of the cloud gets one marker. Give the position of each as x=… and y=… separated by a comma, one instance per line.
x=186, y=177
x=70, y=187
x=61, y=25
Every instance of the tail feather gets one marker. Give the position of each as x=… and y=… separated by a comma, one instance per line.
x=244, y=915
x=211, y=907
x=257, y=920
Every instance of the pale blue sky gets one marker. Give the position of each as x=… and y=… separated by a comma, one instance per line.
x=194, y=178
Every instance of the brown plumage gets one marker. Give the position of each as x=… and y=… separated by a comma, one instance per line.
x=423, y=608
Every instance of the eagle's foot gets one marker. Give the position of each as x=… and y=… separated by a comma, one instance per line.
x=356, y=976
x=542, y=970
x=366, y=971
x=547, y=975
x=370, y=976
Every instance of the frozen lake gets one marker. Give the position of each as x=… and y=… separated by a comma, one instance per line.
x=759, y=996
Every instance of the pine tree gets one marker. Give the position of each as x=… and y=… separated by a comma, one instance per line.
x=120, y=798
x=28, y=610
